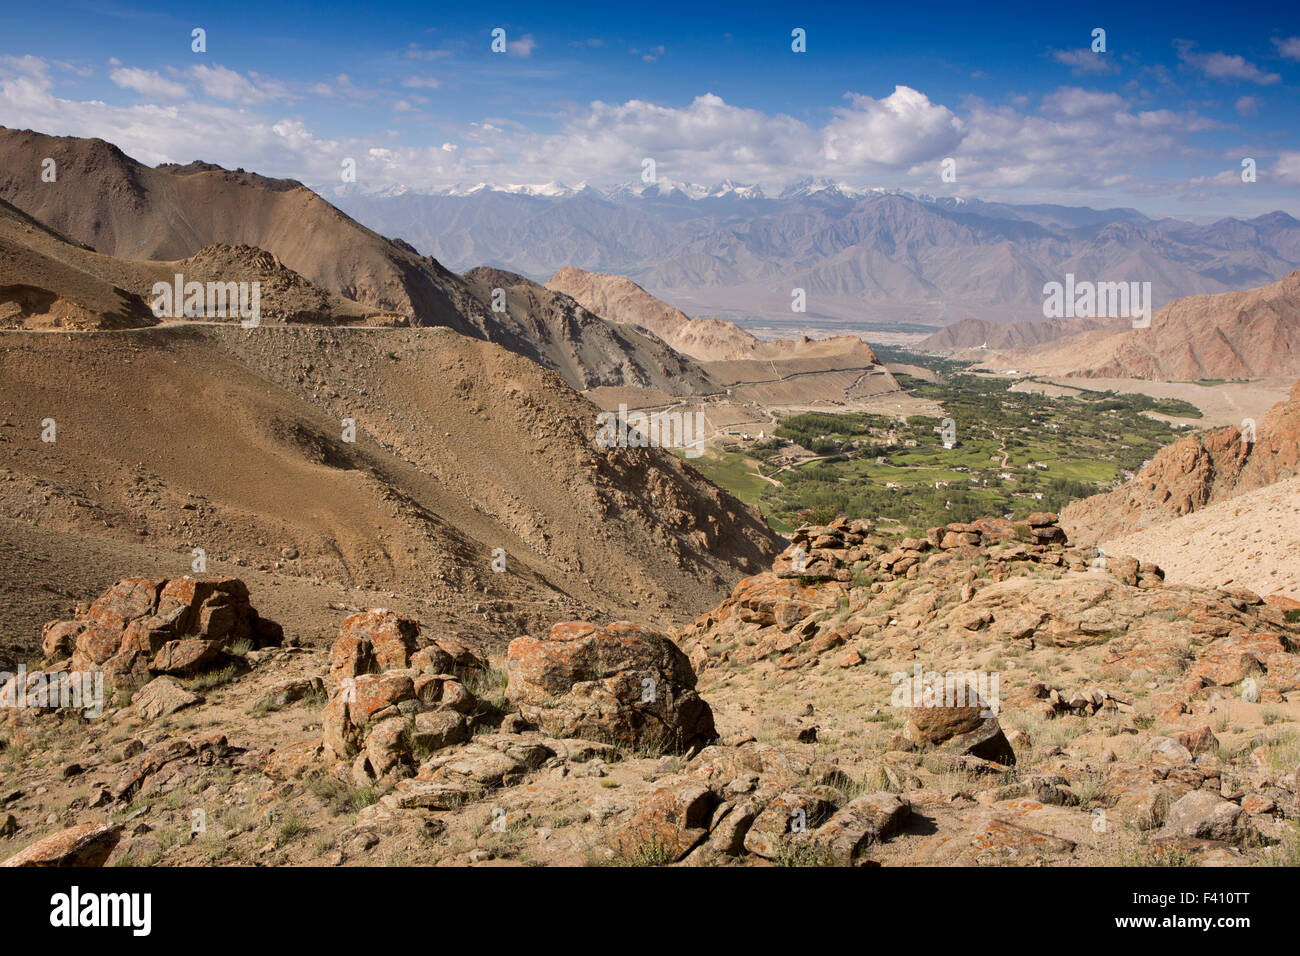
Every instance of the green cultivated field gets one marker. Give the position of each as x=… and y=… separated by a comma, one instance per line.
x=1015, y=452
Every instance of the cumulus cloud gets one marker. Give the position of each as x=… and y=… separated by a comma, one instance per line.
x=28, y=65
x=147, y=83
x=1070, y=141
x=900, y=130
x=157, y=133
x=1077, y=140
x=1073, y=101
x=1286, y=168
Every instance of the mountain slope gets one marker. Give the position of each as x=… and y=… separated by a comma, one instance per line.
x=234, y=441
x=1251, y=541
x=975, y=333
x=728, y=353
x=589, y=352
x=1195, y=471
x=621, y=300
x=120, y=207
x=46, y=281
x=1250, y=334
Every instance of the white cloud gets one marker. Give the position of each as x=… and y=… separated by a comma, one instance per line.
x=902, y=129
x=1224, y=66
x=222, y=83
x=1079, y=140
x=148, y=83
x=155, y=133
x=1247, y=105
x=28, y=65
x=1286, y=169
x=1069, y=142
x=421, y=83
x=1289, y=47
x=522, y=47
x=1074, y=101
x=1085, y=61
x=696, y=142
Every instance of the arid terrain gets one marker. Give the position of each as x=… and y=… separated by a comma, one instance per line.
x=366, y=584
x=1132, y=722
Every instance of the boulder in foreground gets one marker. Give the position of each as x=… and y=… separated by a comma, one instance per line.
x=622, y=684
x=85, y=845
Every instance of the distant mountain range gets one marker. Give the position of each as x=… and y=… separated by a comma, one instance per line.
x=863, y=257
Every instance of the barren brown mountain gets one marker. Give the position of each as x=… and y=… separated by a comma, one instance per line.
x=977, y=333
x=47, y=281
x=588, y=351
x=124, y=209
x=235, y=441
x=1250, y=334
x=784, y=372
x=120, y=207
x=619, y=299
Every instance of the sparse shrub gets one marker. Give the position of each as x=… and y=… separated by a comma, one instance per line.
x=802, y=853
x=213, y=678
x=290, y=827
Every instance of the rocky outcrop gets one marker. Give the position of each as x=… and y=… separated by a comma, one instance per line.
x=824, y=589
x=396, y=695
x=142, y=627
x=623, y=684
x=707, y=815
x=971, y=730
x=161, y=697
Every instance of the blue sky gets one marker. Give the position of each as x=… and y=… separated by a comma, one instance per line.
x=884, y=93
